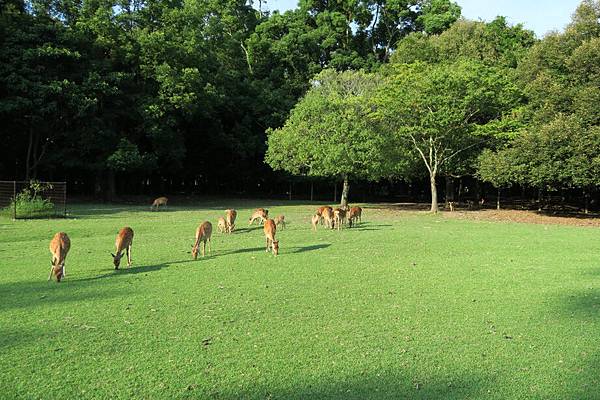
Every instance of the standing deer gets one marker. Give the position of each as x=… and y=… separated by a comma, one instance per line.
x=222, y=225
x=339, y=216
x=280, y=221
x=259, y=214
x=59, y=247
x=315, y=221
x=355, y=214
x=123, y=242
x=203, y=234
x=328, y=217
x=161, y=201
x=230, y=216
x=321, y=210
x=270, y=228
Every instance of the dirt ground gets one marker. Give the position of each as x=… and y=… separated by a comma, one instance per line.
x=523, y=216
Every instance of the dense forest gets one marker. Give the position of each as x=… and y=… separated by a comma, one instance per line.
x=209, y=96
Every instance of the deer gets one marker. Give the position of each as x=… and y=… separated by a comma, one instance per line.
x=59, y=247
x=203, y=234
x=320, y=211
x=259, y=214
x=315, y=221
x=270, y=228
x=123, y=242
x=355, y=214
x=328, y=217
x=280, y=221
x=222, y=225
x=339, y=216
x=161, y=201
x=230, y=216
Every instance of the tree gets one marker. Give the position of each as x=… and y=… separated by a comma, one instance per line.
x=441, y=111
x=330, y=133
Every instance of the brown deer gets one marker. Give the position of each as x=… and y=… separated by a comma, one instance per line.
x=328, y=218
x=59, y=247
x=230, y=216
x=339, y=216
x=123, y=242
x=315, y=221
x=203, y=234
x=270, y=228
x=280, y=221
x=320, y=211
x=355, y=214
x=222, y=225
x=161, y=201
x=259, y=214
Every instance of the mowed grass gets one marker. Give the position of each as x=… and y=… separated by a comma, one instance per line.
x=407, y=305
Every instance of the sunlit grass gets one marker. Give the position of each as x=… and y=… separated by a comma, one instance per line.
x=407, y=305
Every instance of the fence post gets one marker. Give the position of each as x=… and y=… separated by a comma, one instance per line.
x=15, y=200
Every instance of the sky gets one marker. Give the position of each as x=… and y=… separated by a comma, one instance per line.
x=541, y=16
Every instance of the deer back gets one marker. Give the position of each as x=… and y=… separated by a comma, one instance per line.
x=204, y=231
x=124, y=239
x=270, y=229
x=59, y=247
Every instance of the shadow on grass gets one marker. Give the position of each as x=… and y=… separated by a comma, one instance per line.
x=370, y=386
x=33, y=294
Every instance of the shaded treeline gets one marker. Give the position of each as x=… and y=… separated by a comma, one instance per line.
x=134, y=96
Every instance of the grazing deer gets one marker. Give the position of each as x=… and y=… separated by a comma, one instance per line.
x=328, y=217
x=339, y=216
x=161, y=201
x=203, y=234
x=59, y=247
x=259, y=214
x=280, y=220
x=320, y=211
x=451, y=205
x=230, y=216
x=123, y=242
x=355, y=214
x=222, y=225
x=270, y=228
x=315, y=221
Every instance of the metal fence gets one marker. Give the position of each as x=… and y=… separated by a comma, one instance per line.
x=33, y=199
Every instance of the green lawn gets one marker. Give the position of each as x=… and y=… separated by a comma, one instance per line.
x=407, y=305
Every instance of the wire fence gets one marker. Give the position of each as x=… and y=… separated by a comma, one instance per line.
x=33, y=199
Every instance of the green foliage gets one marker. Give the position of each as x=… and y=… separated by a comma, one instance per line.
x=330, y=132
x=127, y=157
x=438, y=15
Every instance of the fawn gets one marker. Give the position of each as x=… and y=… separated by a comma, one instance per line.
x=123, y=242
x=270, y=228
x=230, y=216
x=203, y=234
x=59, y=247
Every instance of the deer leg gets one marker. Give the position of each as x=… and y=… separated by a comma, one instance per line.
x=51, y=270
x=209, y=247
x=267, y=250
x=129, y=256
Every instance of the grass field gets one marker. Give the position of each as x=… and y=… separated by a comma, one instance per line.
x=407, y=305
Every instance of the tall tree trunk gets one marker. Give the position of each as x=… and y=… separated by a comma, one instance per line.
x=434, y=196
x=112, y=191
x=345, y=190
x=312, y=191
x=28, y=159
x=335, y=192
x=498, y=200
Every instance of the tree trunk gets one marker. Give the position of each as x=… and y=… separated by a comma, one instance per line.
x=28, y=159
x=312, y=191
x=335, y=192
x=498, y=200
x=449, y=192
x=345, y=190
x=290, y=192
x=434, y=197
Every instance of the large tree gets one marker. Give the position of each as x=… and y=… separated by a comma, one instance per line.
x=441, y=111
x=330, y=132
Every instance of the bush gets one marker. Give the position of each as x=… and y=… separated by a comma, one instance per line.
x=30, y=204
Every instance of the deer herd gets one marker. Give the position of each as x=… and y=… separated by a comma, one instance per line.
x=326, y=216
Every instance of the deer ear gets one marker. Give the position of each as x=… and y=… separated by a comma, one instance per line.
x=112, y=254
